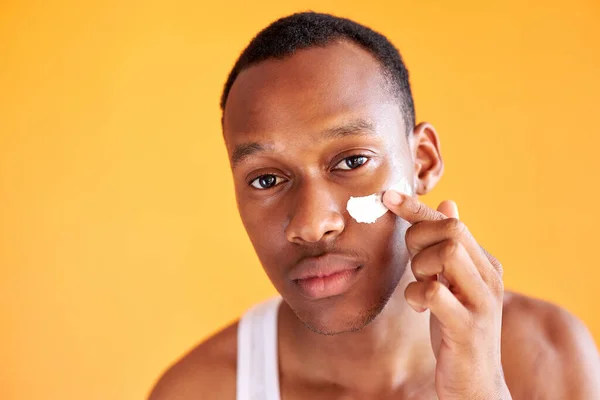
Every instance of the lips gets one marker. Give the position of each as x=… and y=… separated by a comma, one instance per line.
x=325, y=276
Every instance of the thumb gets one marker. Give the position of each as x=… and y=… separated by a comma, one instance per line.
x=448, y=208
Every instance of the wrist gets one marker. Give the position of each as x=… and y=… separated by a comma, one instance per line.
x=493, y=387
x=505, y=393
x=498, y=392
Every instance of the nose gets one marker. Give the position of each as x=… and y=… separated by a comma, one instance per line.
x=315, y=216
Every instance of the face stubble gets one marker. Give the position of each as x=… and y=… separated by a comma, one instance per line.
x=278, y=113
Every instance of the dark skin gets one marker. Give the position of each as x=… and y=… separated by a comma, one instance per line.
x=302, y=141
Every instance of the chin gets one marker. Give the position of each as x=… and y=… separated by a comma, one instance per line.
x=336, y=315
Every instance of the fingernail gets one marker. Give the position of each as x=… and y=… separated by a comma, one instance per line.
x=393, y=197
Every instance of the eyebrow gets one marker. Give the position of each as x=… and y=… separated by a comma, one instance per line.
x=356, y=127
x=245, y=150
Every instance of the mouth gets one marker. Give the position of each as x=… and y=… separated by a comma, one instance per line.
x=319, y=279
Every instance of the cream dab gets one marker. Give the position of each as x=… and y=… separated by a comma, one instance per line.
x=368, y=209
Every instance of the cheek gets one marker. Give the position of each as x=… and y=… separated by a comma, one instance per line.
x=402, y=163
x=384, y=239
x=265, y=228
x=390, y=256
x=392, y=171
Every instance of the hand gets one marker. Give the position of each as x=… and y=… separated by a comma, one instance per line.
x=461, y=284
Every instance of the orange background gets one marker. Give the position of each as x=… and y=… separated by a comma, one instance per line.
x=120, y=243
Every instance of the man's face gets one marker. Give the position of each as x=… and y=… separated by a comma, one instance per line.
x=304, y=134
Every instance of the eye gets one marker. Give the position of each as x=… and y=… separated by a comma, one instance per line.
x=266, y=181
x=352, y=162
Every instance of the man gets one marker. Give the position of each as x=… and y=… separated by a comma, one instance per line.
x=318, y=109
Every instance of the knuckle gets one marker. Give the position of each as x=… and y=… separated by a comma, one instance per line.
x=411, y=238
x=454, y=226
x=489, y=305
x=499, y=268
x=420, y=209
x=449, y=249
x=494, y=261
x=497, y=286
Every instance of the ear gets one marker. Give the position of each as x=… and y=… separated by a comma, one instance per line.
x=429, y=167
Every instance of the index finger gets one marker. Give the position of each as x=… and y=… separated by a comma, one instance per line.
x=409, y=208
x=413, y=211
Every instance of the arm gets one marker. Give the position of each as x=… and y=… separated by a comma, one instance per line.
x=207, y=372
x=200, y=381
x=573, y=353
x=547, y=353
x=203, y=380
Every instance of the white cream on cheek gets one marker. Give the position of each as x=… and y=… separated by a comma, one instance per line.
x=368, y=209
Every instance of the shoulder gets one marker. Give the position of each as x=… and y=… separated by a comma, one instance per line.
x=547, y=352
x=207, y=372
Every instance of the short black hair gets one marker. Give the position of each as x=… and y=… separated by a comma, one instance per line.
x=310, y=29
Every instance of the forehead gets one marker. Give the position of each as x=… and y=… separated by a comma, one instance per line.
x=312, y=89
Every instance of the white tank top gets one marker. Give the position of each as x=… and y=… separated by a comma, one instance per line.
x=257, y=359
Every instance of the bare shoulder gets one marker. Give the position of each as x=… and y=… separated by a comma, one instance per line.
x=547, y=352
x=207, y=372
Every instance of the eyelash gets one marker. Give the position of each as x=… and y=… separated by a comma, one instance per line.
x=357, y=156
x=278, y=179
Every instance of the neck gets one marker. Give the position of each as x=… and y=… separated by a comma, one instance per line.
x=391, y=353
